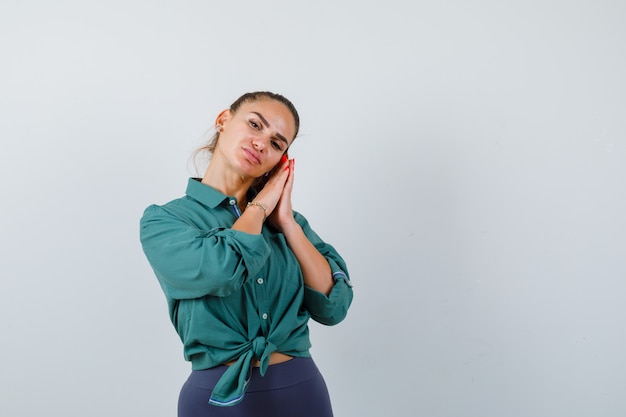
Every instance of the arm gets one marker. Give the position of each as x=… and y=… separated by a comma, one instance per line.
x=333, y=307
x=328, y=291
x=315, y=268
x=190, y=262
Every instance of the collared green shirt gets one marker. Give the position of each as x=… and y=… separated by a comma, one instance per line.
x=233, y=295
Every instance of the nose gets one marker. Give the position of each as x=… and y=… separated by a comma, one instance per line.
x=259, y=144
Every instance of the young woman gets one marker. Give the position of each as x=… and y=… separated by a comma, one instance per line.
x=243, y=272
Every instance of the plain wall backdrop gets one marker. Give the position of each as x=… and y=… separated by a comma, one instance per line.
x=467, y=158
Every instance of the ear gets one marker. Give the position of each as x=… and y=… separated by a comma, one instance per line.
x=223, y=117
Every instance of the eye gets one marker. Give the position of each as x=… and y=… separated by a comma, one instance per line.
x=254, y=125
x=276, y=145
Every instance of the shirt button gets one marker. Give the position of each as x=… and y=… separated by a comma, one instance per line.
x=259, y=281
x=232, y=202
x=264, y=316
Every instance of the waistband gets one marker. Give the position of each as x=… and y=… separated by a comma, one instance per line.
x=280, y=375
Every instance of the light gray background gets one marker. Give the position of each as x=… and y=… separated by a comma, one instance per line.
x=467, y=158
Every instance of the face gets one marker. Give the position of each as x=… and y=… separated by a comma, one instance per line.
x=255, y=137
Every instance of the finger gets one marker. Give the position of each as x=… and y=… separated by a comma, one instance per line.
x=289, y=169
x=290, y=179
x=280, y=176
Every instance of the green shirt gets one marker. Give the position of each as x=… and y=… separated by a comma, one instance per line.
x=234, y=295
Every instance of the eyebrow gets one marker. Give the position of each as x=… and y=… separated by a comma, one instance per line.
x=265, y=122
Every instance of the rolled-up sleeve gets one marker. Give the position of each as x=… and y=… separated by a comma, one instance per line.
x=191, y=263
x=331, y=309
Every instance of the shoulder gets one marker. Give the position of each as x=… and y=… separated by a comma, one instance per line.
x=182, y=208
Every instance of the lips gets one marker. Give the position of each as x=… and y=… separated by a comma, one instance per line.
x=252, y=155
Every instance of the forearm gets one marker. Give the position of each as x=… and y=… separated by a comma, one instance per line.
x=315, y=268
x=251, y=220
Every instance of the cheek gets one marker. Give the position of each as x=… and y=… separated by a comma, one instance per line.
x=275, y=161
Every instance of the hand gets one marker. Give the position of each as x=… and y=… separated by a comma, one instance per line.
x=272, y=191
x=282, y=215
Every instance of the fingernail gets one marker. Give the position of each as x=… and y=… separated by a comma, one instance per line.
x=283, y=159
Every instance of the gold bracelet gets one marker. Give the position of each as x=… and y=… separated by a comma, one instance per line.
x=253, y=203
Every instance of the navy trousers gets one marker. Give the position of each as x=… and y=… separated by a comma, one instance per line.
x=288, y=389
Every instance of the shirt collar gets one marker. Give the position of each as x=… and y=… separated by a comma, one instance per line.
x=205, y=194
x=208, y=195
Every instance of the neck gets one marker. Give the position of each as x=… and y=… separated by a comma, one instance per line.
x=228, y=182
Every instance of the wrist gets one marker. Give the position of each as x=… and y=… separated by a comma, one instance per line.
x=258, y=206
x=290, y=228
